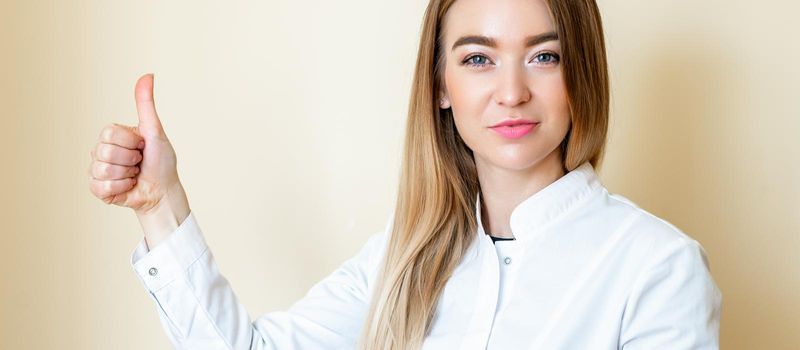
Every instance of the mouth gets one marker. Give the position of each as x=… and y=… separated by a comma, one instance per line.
x=514, y=129
x=513, y=122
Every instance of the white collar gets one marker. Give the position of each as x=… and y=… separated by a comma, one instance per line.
x=543, y=208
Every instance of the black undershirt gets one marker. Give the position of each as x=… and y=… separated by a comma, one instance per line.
x=495, y=239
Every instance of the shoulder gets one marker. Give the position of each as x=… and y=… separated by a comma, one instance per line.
x=657, y=240
x=672, y=296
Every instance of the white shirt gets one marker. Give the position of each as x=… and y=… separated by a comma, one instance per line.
x=587, y=270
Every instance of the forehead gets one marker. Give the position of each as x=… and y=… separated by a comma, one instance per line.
x=509, y=21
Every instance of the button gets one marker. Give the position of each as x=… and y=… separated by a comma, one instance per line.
x=154, y=271
x=507, y=260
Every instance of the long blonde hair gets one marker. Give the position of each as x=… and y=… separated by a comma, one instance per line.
x=434, y=220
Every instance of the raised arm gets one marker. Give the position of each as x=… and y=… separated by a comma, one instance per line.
x=199, y=310
x=136, y=167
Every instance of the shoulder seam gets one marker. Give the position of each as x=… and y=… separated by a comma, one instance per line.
x=682, y=235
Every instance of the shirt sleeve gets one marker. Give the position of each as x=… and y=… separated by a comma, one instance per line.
x=675, y=304
x=199, y=310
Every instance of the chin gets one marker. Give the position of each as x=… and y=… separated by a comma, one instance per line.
x=516, y=161
x=520, y=156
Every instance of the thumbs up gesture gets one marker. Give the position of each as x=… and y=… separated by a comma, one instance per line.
x=136, y=167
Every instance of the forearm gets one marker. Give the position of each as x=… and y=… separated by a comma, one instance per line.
x=164, y=218
x=196, y=304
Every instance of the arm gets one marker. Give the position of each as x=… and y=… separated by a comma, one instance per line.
x=199, y=310
x=674, y=304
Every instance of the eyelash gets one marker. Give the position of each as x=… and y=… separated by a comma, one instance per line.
x=555, y=59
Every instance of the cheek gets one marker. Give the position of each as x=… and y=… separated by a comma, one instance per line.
x=553, y=97
x=468, y=126
x=468, y=87
x=463, y=92
x=465, y=105
x=554, y=102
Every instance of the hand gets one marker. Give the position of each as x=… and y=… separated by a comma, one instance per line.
x=136, y=167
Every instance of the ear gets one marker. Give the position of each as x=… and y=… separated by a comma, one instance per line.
x=444, y=100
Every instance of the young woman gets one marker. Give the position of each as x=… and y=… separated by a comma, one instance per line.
x=503, y=236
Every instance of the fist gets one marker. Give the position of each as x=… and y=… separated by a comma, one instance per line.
x=134, y=166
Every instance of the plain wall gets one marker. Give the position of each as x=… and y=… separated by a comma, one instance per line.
x=288, y=120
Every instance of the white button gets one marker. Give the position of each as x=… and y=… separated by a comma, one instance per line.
x=507, y=260
x=153, y=271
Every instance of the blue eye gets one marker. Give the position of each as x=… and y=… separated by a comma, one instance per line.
x=470, y=62
x=547, y=58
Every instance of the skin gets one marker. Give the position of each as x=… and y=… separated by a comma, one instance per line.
x=136, y=167
x=509, y=81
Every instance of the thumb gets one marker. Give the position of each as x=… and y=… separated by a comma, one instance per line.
x=149, y=124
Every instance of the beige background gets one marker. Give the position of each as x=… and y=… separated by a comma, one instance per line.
x=288, y=116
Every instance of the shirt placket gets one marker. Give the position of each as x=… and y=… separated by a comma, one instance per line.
x=509, y=259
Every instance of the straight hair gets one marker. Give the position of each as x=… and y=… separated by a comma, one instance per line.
x=434, y=221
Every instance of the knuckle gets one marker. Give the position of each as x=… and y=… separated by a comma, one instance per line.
x=108, y=187
x=106, y=170
x=96, y=151
x=105, y=152
x=93, y=171
x=108, y=132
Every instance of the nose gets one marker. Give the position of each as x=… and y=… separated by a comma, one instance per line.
x=512, y=89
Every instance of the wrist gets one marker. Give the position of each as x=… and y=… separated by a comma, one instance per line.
x=162, y=219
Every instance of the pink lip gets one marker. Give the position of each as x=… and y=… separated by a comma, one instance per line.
x=514, y=129
x=512, y=122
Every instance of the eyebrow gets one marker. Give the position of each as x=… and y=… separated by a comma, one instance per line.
x=491, y=42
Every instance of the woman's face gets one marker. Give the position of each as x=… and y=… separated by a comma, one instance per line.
x=488, y=81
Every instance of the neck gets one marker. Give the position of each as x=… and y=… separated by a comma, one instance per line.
x=503, y=189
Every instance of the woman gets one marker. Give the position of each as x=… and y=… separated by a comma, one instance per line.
x=503, y=236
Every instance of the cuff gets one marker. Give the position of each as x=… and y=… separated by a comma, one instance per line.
x=169, y=260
